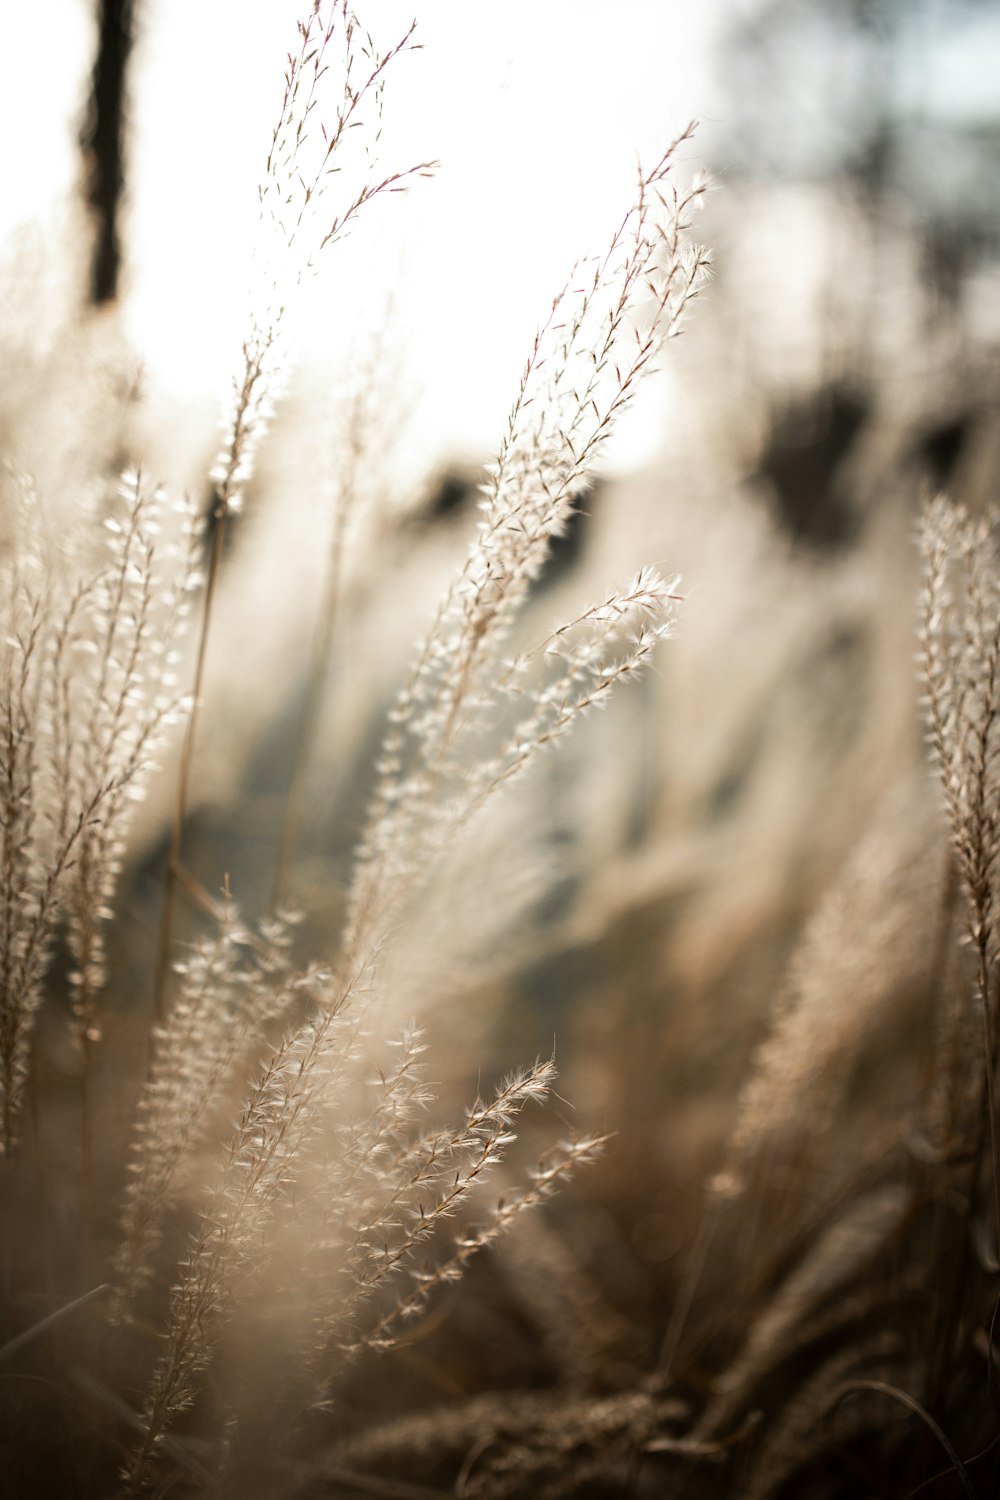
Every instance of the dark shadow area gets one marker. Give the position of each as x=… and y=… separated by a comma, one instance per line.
x=802, y=463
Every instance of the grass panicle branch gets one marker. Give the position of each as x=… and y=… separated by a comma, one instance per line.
x=600, y=339
x=88, y=695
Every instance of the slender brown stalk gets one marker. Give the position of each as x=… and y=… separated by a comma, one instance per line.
x=179, y=816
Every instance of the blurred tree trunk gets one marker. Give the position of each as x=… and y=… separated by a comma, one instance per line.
x=103, y=142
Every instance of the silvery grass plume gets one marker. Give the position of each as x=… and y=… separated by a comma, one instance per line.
x=358, y=1196
x=960, y=665
x=330, y=1231
x=601, y=337
x=324, y=138
x=232, y=984
x=856, y=954
x=88, y=691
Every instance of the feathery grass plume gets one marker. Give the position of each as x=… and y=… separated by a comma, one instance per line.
x=33, y=860
x=960, y=662
x=114, y=693
x=856, y=955
x=371, y=1235
x=87, y=696
x=434, y=1179
x=309, y=153
x=259, y=1164
x=508, y=1443
x=601, y=337
x=354, y=1184
x=543, y=1179
x=232, y=984
x=420, y=1188
x=572, y=671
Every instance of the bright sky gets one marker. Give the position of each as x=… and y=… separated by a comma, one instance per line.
x=536, y=110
